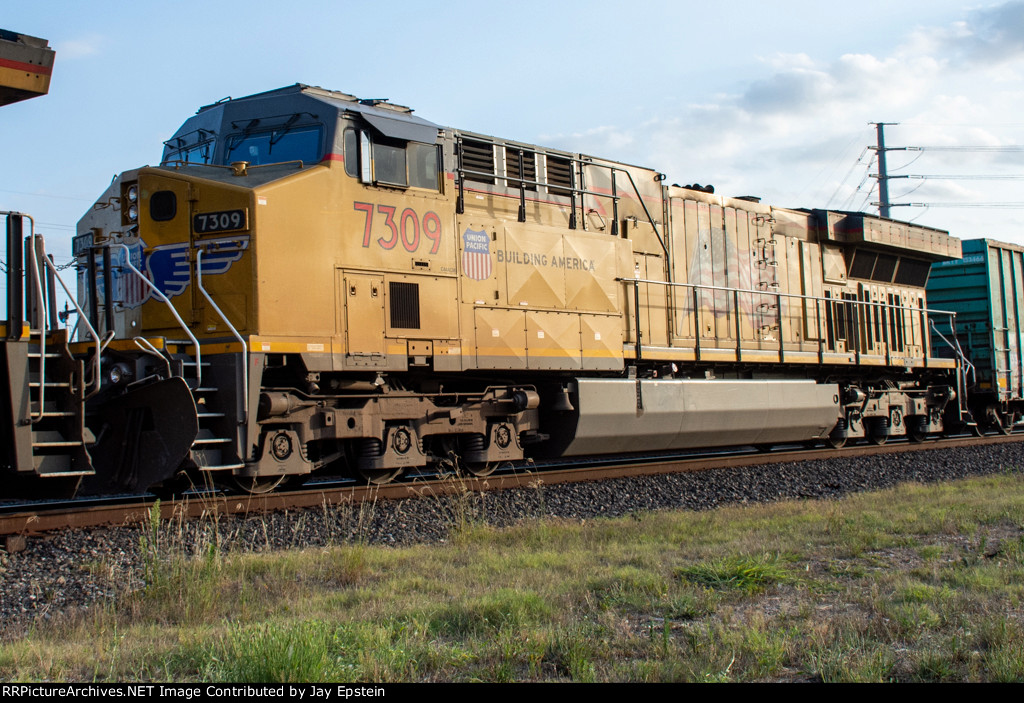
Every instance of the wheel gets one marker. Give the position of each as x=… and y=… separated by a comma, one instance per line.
x=877, y=439
x=378, y=477
x=917, y=436
x=836, y=442
x=479, y=469
x=258, y=485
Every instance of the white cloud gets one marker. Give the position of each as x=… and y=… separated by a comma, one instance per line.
x=779, y=136
x=80, y=47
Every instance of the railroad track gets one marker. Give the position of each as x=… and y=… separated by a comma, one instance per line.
x=19, y=521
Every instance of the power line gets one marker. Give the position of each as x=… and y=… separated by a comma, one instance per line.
x=48, y=195
x=883, y=177
x=848, y=173
x=1000, y=206
x=1007, y=148
x=867, y=174
x=975, y=177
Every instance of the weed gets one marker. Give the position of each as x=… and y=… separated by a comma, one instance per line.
x=571, y=652
x=279, y=653
x=745, y=573
x=505, y=609
x=851, y=657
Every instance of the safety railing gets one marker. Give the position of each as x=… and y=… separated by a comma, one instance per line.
x=575, y=189
x=967, y=368
x=773, y=301
x=245, y=347
x=42, y=301
x=170, y=306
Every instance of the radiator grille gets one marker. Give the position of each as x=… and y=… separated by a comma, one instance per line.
x=478, y=156
x=559, y=174
x=512, y=167
x=405, y=305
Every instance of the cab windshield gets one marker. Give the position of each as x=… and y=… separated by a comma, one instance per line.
x=275, y=146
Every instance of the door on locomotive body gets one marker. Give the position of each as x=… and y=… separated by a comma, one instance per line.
x=653, y=313
x=811, y=288
x=177, y=219
x=220, y=225
x=166, y=247
x=363, y=304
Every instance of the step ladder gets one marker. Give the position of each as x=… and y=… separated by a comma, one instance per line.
x=215, y=447
x=44, y=403
x=56, y=394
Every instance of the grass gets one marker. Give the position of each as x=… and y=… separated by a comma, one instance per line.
x=917, y=583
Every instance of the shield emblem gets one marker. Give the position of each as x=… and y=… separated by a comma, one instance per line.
x=476, y=255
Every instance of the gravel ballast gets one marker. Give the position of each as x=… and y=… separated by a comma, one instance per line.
x=74, y=569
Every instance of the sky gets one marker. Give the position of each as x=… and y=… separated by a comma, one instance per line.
x=773, y=99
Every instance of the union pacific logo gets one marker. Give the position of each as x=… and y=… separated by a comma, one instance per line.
x=168, y=267
x=476, y=255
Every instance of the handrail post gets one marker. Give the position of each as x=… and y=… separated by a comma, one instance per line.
x=615, y=207
x=100, y=345
x=821, y=333
x=460, y=201
x=856, y=332
x=696, y=325
x=736, y=312
x=37, y=248
x=245, y=347
x=522, y=185
x=160, y=296
x=572, y=195
x=636, y=320
x=782, y=337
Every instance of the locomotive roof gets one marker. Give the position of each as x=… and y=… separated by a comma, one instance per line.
x=302, y=103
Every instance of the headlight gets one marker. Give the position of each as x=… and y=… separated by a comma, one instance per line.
x=133, y=213
x=119, y=373
x=133, y=194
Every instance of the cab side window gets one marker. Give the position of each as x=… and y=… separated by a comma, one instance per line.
x=391, y=162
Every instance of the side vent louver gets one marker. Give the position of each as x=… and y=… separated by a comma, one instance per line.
x=559, y=174
x=479, y=157
x=512, y=167
x=405, y=305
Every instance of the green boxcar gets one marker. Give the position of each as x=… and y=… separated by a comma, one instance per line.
x=986, y=290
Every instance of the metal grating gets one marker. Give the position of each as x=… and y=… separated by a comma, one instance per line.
x=404, y=299
x=478, y=156
x=512, y=167
x=559, y=174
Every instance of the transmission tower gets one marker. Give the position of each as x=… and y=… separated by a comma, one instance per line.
x=882, y=175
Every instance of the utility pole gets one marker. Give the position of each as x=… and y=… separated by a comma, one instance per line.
x=882, y=175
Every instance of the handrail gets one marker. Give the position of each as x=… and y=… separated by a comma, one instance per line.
x=521, y=182
x=41, y=307
x=966, y=366
x=147, y=347
x=858, y=304
x=245, y=347
x=784, y=295
x=162, y=297
x=37, y=248
x=640, y=199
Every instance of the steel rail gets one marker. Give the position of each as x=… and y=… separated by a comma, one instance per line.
x=21, y=522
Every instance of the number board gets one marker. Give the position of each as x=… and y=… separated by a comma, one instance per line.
x=222, y=221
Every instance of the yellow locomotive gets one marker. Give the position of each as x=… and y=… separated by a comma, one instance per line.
x=310, y=279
